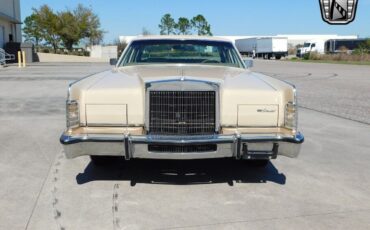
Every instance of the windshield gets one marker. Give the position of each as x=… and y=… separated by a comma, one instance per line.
x=307, y=44
x=181, y=51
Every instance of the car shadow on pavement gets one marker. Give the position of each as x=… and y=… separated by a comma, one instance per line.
x=181, y=172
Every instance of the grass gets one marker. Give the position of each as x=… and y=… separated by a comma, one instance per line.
x=331, y=61
x=340, y=58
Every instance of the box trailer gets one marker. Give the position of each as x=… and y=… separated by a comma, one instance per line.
x=265, y=47
x=343, y=45
x=246, y=46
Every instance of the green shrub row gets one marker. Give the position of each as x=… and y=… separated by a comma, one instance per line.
x=75, y=52
x=354, y=57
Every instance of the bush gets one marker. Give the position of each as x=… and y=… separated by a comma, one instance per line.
x=344, y=57
x=86, y=53
x=306, y=56
x=292, y=51
x=314, y=56
x=45, y=50
x=361, y=51
x=77, y=53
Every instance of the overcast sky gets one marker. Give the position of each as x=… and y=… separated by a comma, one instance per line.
x=231, y=17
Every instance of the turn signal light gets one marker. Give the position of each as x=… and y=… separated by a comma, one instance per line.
x=73, y=114
x=291, y=116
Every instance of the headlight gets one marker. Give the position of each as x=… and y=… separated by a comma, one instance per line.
x=291, y=116
x=73, y=114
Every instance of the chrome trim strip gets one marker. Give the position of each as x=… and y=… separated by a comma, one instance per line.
x=120, y=59
x=112, y=125
x=181, y=79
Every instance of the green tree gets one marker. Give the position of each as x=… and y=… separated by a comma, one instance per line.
x=32, y=30
x=200, y=24
x=89, y=24
x=66, y=27
x=69, y=29
x=167, y=25
x=49, y=25
x=183, y=26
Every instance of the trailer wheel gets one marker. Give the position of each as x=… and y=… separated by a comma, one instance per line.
x=278, y=57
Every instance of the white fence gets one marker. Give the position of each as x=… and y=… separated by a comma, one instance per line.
x=105, y=52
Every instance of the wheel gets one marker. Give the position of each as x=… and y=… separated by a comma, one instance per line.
x=102, y=160
x=278, y=57
x=258, y=163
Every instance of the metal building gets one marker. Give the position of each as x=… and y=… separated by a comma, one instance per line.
x=10, y=22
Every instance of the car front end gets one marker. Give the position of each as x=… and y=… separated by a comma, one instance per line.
x=182, y=111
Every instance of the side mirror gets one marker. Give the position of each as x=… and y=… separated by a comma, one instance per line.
x=248, y=63
x=113, y=61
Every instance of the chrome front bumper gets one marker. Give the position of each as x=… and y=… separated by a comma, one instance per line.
x=243, y=146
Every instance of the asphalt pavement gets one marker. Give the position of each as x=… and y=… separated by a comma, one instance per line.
x=327, y=187
x=340, y=90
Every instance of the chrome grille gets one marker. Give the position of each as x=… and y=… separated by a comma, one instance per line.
x=182, y=148
x=182, y=112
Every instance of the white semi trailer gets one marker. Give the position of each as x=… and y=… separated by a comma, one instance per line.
x=265, y=47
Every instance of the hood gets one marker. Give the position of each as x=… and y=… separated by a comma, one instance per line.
x=126, y=86
x=129, y=78
x=155, y=72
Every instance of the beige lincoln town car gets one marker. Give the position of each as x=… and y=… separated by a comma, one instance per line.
x=172, y=97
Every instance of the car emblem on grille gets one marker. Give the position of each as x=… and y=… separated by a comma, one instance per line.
x=180, y=119
x=338, y=12
x=266, y=110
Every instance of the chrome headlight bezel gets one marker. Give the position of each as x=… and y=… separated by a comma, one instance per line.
x=72, y=114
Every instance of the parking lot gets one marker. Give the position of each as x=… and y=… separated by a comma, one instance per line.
x=327, y=187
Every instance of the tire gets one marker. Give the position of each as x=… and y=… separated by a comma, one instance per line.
x=103, y=160
x=258, y=163
x=278, y=57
